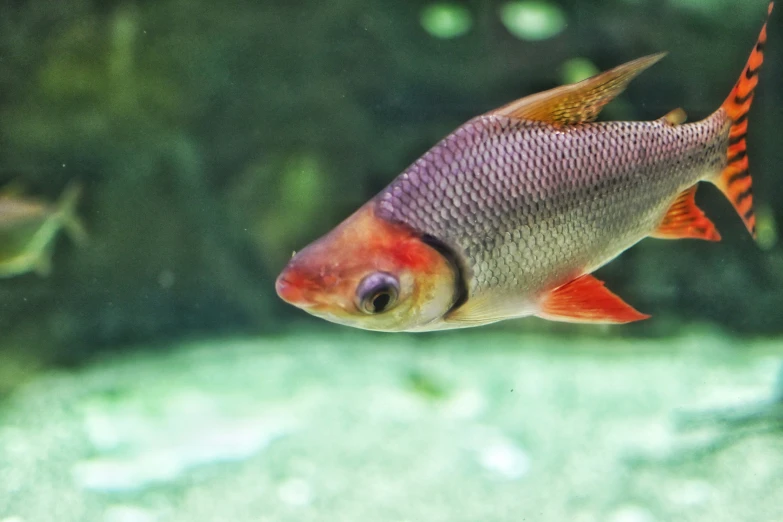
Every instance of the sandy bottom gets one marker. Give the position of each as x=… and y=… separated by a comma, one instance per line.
x=346, y=426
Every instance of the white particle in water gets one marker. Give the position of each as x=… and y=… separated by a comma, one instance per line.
x=505, y=459
x=692, y=493
x=631, y=513
x=295, y=492
x=127, y=513
x=466, y=404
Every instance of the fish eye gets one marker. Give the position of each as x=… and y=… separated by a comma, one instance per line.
x=377, y=293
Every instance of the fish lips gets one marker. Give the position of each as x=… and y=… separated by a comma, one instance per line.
x=303, y=285
x=289, y=292
x=291, y=289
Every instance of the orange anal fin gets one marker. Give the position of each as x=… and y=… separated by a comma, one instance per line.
x=587, y=300
x=580, y=102
x=685, y=220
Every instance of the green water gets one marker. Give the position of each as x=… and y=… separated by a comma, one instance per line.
x=154, y=375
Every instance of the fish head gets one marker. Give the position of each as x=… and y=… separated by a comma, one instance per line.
x=372, y=274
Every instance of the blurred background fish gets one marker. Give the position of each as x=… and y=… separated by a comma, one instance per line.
x=29, y=227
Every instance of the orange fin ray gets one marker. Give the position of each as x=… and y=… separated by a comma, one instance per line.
x=685, y=220
x=587, y=300
x=735, y=181
x=580, y=102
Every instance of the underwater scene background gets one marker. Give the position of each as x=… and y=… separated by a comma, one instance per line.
x=160, y=161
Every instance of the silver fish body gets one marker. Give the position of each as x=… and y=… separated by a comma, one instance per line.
x=526, y=206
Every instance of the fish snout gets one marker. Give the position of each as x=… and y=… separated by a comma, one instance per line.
x=291, y=292
x=302, y=287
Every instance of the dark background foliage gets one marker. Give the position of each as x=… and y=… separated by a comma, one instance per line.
x=213, y=138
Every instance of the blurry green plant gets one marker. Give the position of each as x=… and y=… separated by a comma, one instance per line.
x=94, y=91
x=298, y=188
x=425, y=384
x=766, y=230
x=446, y=20
x=575, y=70
x=532, y=20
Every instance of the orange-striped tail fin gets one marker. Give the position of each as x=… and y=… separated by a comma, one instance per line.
x=735, y=181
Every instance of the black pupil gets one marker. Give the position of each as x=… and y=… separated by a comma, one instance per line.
x=380, y=301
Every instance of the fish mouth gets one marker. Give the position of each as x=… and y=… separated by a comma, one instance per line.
x=293, y=293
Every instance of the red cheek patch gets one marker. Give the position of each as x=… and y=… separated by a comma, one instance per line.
x=399, y=244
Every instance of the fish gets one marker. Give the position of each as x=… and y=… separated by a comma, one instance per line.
x=509, y=215
x=28, y=227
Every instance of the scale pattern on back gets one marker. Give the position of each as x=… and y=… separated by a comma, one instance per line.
x=528, y=206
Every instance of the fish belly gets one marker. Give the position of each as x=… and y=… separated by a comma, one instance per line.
x=526, y=206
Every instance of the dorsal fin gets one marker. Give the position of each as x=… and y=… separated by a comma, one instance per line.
x=580, y=102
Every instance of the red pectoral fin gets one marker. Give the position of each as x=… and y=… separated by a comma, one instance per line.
x=586, y=300
x=685, y=220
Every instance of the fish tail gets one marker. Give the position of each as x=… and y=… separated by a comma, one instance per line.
x=66, y=212
x=735, y=181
